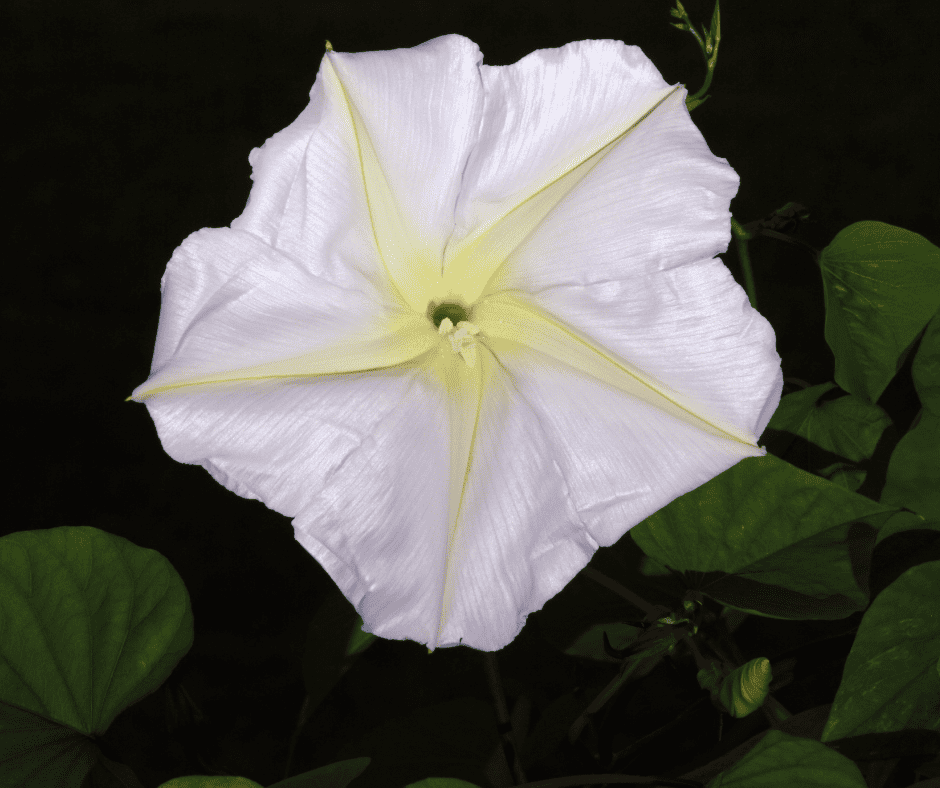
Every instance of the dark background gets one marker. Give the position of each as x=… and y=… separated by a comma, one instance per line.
x=128, y=126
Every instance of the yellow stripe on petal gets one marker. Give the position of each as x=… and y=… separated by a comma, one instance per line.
x=473, y=267
x=505, y=321
x=389, y=344
x=410, y=267
x=465, y=386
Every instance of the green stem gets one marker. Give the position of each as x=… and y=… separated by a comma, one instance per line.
x=791, y=240
x=302, y=717
x=742, y=237
x=705, y=85
x=491, y=666
x=634, y=599
x=775, y=711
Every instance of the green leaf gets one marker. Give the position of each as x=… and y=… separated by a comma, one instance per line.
x=551, y=728
x=442, y=782
x=89, y=624
x=334, y=640
x=889, y=682
x=926, y=367
x=767, y=523
x=845, y=476
x=333, y=775
x=881, y=285
x=590, y=644
x=109, y=774
x=783, y=761
x=848, y=426
x=899, y=522
x=37, y=753
x=206, y=781
x=913, y=479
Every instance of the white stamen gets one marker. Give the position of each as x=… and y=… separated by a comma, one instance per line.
x=461, y=339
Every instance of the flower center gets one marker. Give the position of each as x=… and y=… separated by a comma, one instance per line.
x=455, y=312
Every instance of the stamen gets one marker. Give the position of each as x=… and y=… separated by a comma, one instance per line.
x=461, y=338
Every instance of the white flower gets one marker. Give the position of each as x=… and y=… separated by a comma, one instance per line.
x=469, y=327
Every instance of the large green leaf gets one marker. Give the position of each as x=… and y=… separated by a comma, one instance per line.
x=891, y=680
x=766, y=522
x=783, y=761
x=89, y=624
x=881, y=285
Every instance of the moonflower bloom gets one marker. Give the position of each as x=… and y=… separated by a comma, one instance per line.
x=469, y=327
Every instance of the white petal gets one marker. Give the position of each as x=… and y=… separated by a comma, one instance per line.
x=544, y=115
x=379, y=149
x=370, y=466
x=621, y=245
x=365, y=455
x=234, y=309
x=562, y=463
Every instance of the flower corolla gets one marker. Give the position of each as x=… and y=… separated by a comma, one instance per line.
x=469, y=328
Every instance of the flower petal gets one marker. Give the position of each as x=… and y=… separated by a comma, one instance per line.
x=509, y=321
x=625, y=255
x=543, y=117
x=381, y=146
x=562, y=463
x=236, y=310
x=371, y=467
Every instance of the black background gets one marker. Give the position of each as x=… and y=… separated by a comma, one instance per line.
x=128, y=126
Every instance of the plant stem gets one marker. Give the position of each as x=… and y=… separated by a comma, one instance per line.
x=742, y=237
x=491, y=666
x=634, y=599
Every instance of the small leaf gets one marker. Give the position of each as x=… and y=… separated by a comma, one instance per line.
x=881, y=285
x=913, y=479
x=889, y=683
x=591, y=644
x=848, y=425
x=926, y=367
